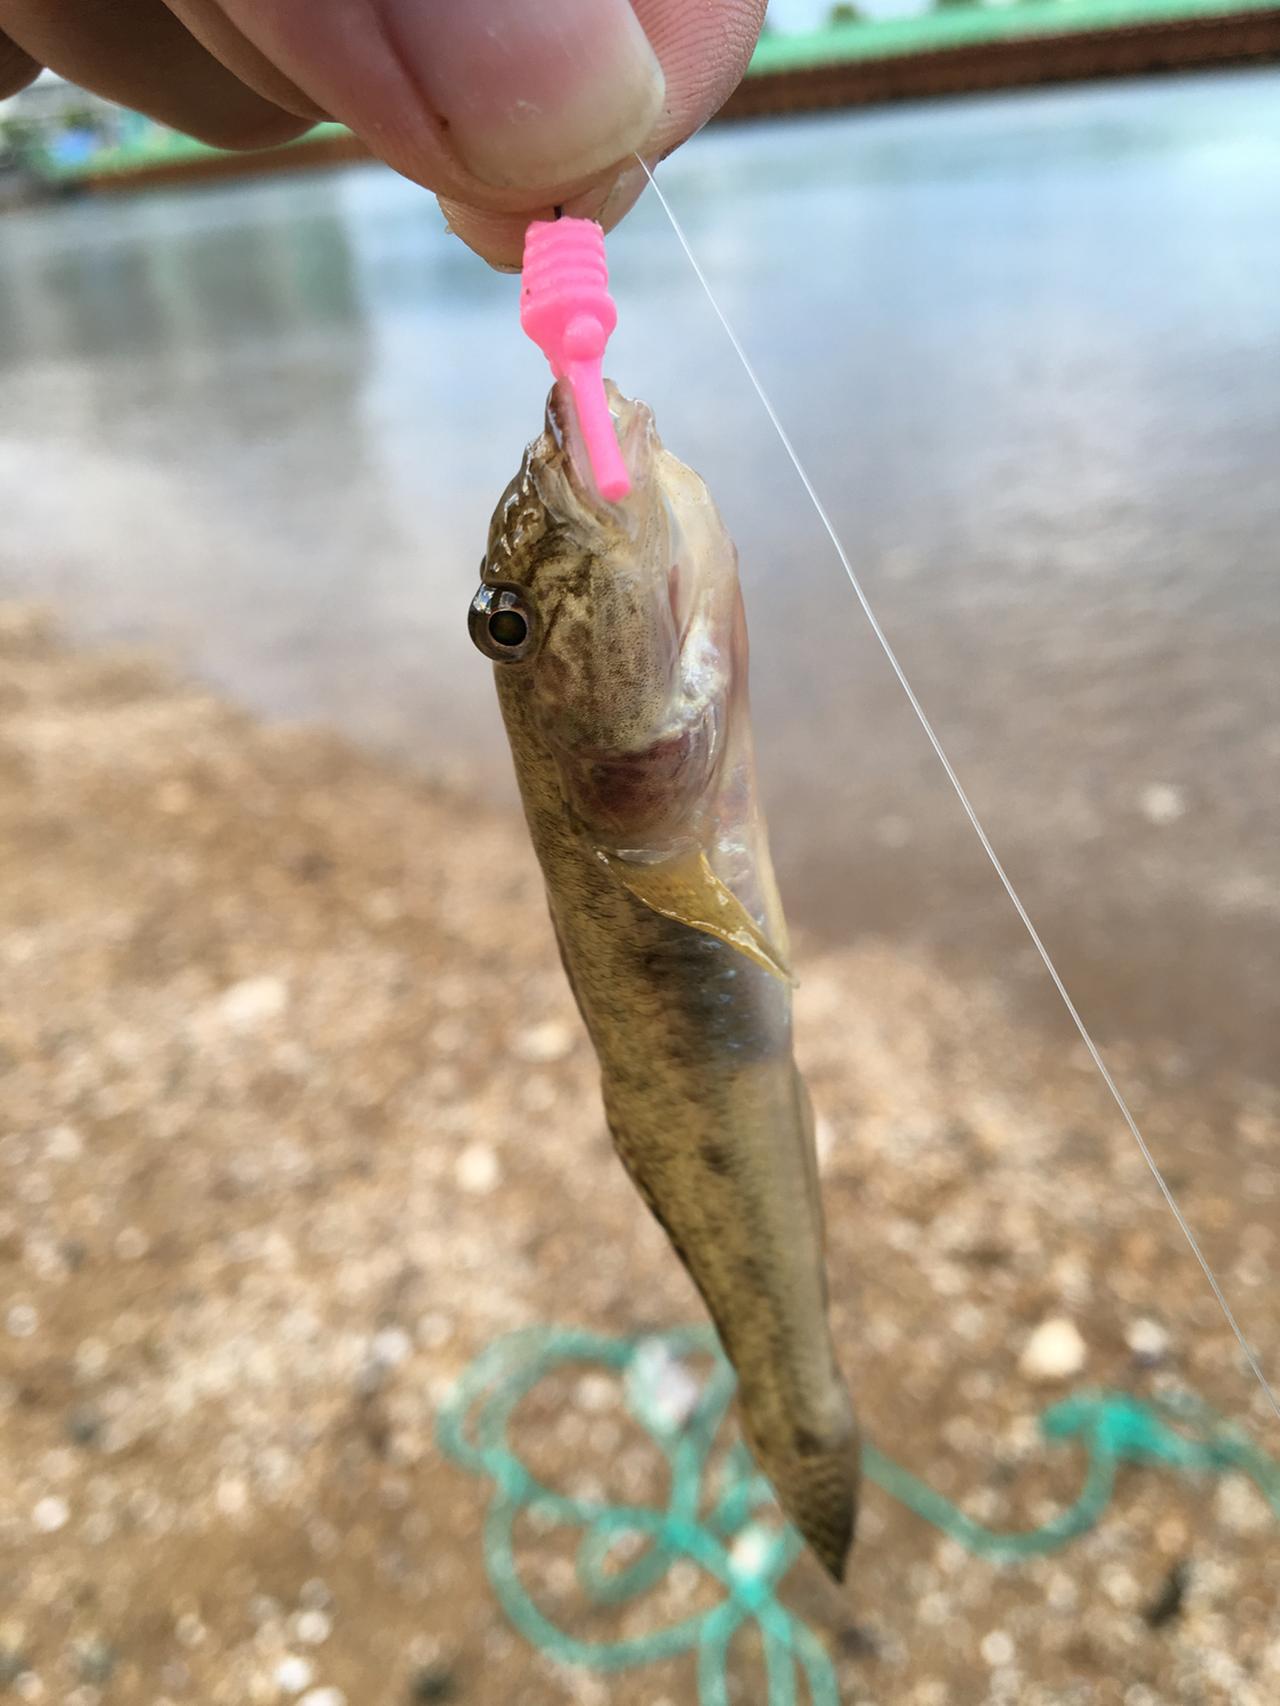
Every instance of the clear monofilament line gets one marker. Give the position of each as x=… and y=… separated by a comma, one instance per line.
x=921, y=716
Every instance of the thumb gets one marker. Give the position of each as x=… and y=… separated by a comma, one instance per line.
x=532, y=97
x=507, y=107
x=488, y=101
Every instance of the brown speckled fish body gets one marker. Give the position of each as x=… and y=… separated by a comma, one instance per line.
x=625, y=705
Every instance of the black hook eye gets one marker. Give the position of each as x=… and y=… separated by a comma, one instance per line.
x=501, y=623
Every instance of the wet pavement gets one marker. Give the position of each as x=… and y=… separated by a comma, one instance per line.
x=1030, y=348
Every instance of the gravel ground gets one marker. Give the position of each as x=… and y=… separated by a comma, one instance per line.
x=296, y=1117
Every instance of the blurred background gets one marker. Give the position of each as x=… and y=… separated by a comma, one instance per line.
x=297, y=1115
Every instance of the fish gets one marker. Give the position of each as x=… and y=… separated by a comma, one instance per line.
x=619, y=644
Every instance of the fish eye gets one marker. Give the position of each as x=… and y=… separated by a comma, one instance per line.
x=502, y=623
x=508, y=628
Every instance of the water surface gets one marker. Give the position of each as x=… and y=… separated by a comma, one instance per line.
x=1030, y=348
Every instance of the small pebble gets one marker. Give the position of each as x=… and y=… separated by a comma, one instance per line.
x=597, y=1393
x=1148, y=1341
x=1161, y=803
x=588, y=1690
x=1168, y=1602
x=1240, y=1507
x=294, y=1673
x=1055, y=1351
x=1120, y=1586
x=432, y=1685
x=92, y=1358
x=750, y=1552
x=50, y=1514
x=552, y=1040
x=64, y=1144
x=323, y=1697
x=313, y=1627
x=231, y=1495
x=391, y=1346
x=96, y=1663
x=21, y=1321
x=682, y=1579
x=84, y=1425
x=997, y=1648
x=1062, y=1592
x=661, y=1388
x=476, y=1170
x=935, y=1609
x=248, y=1005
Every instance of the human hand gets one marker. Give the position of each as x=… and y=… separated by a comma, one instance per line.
x=505, y=108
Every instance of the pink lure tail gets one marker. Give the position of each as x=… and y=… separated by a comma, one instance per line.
x=565, y=307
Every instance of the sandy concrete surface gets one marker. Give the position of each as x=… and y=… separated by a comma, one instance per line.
x=296, y=1117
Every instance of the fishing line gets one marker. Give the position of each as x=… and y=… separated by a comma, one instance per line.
x=1095, y=1055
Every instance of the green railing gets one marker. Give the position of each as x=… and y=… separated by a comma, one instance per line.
x=100, y=141
x=140, y=146
x=969, y=23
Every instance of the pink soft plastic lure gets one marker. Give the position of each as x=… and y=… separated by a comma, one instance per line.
x=565, y=307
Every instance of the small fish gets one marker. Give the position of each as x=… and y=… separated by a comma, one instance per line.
x=620, y=652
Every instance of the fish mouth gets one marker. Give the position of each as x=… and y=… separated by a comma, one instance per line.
x=633, y=423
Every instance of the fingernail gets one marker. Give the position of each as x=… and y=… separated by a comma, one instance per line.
x=533, y=93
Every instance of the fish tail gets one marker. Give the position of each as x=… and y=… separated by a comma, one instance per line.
x=816, y=1481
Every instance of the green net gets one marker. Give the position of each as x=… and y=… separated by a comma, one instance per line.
x=731, y=1531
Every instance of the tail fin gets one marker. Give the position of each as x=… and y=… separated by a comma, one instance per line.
x=816, y=1481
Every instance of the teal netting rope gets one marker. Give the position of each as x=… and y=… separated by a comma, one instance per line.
x=749, y=1558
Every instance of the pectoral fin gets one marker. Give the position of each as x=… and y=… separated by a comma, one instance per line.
x=687, y=889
